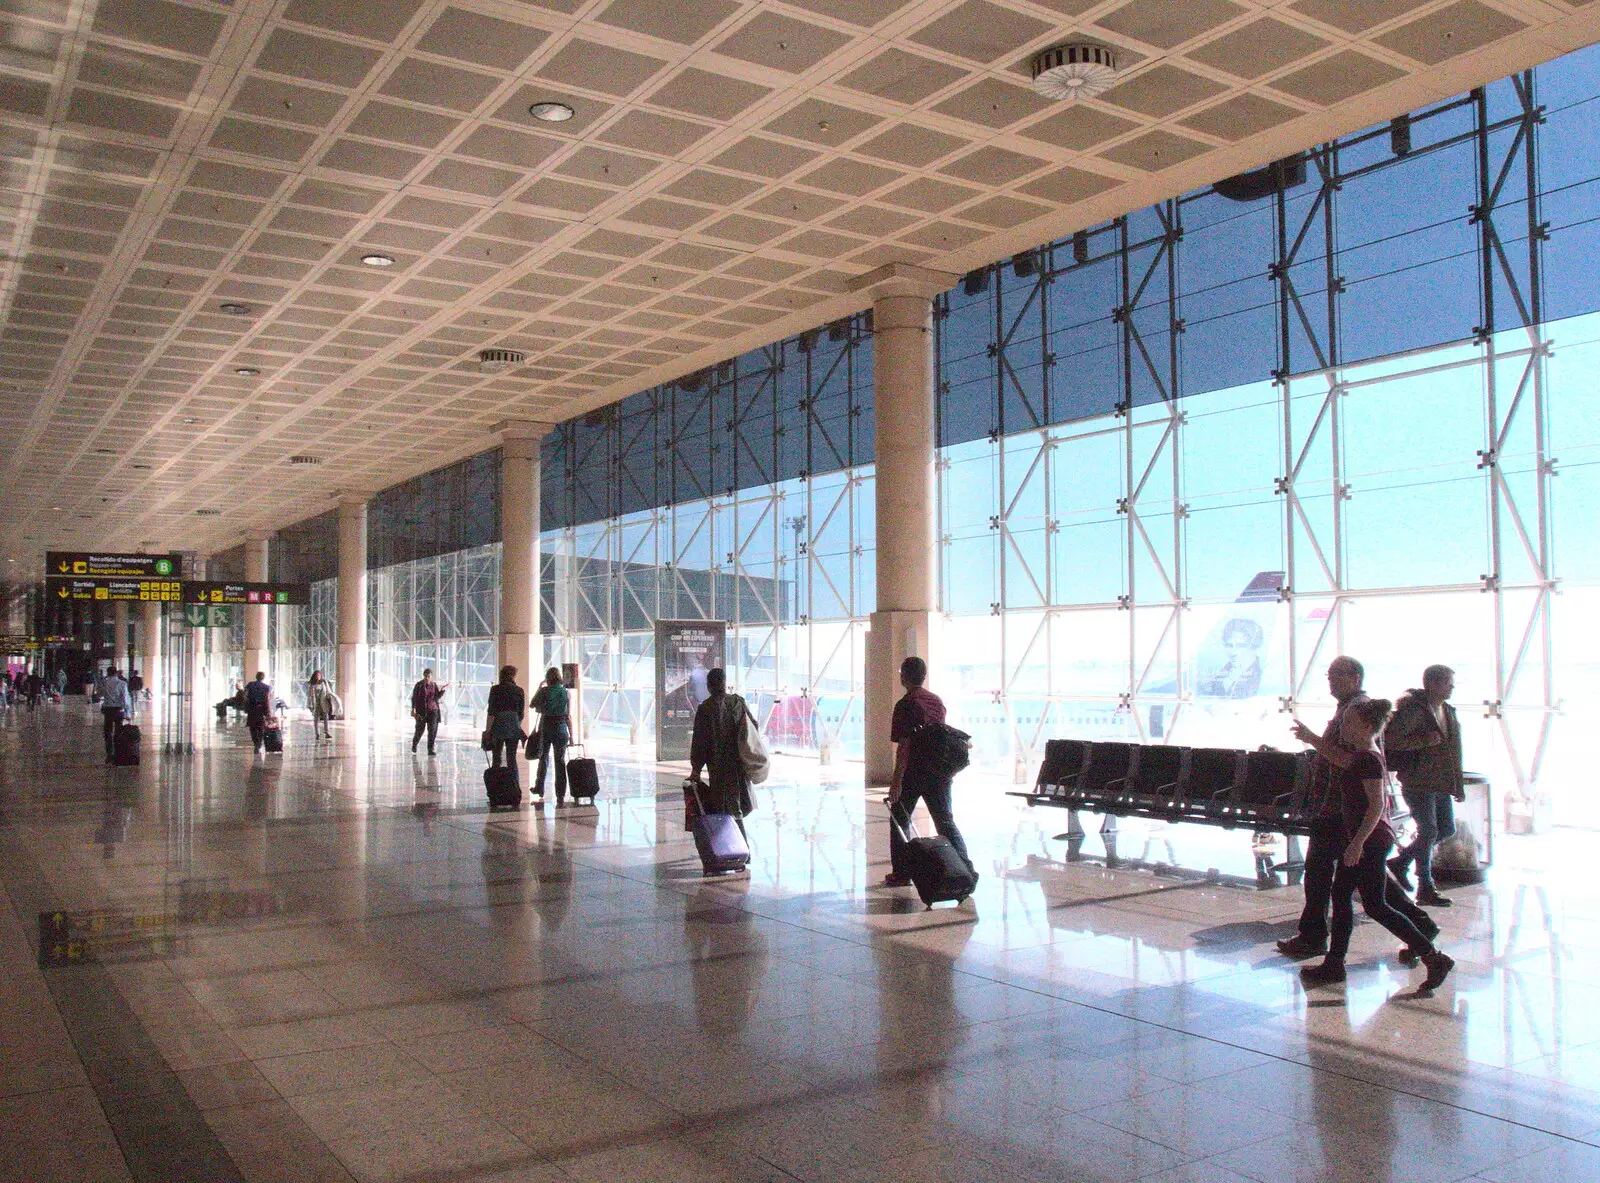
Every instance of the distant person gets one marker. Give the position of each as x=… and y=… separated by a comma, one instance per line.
x=912, y=781
x=319, y=698
x=257, y=706
x=508, y=705
x=61, y=682
x=116, y=708
x=714, y=747
x=33, y=688
x=1361, y=794
x=1326, y=839
x=553, y=703
x=5, y=687
x=1424, y=746
x=425, y=698
x=136, y=686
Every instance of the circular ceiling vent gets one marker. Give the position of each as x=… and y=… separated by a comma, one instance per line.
x=496, y=361
x=1077, y=70
x=305, y=461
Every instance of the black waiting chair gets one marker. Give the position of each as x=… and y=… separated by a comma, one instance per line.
x=1062, y=765
x=1271, y=792
x=1104, y=776
x=1213, y=775
x=1155, y=787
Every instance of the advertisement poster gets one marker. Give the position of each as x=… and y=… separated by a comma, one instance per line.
x=685, y=651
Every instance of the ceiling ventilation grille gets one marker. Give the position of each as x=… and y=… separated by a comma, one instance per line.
x=305, y=461
x=497, y=361
x=1077, y=70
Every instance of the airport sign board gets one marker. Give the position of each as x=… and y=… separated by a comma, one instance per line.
x=117, y=591
x=68, y=564
x=267, y=594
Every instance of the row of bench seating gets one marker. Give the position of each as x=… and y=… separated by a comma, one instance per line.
x=1264, y=790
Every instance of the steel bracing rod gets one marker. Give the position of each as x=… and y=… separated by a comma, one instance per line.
x=1126, y=302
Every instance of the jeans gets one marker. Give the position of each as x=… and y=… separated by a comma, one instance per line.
x=426, y=721
x=509, y=747
x=1435, y=816
x=1371, y=878
x=918, y=785
x=1324, y=851
x=257, y=722
x=113, y=724
x=560, y=749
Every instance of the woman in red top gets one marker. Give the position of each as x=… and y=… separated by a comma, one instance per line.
x=1363, y=798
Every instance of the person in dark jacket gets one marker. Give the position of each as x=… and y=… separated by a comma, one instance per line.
x=912, y=781
x=1424, y=746
x=257, y=706
x=425, y=699
x=508, y=704
x=714, y=746
x=553, y=703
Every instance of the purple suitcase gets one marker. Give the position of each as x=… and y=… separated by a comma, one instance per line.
x=718, y=838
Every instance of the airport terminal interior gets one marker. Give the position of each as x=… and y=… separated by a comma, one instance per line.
x=1128, y=362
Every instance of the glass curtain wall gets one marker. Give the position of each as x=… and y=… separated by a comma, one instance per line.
x=741, y=494
x=1193, y=454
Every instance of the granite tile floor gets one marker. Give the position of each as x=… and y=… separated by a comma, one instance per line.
x=336, y=965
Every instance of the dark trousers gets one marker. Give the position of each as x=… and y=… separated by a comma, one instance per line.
x=257, y=722
x=1435, y=815
x=915, y=786
x=1324, y=851
x=546, y=747
x=113, y=724
x=426, y=721
x=508, y=747
x=1370, y=877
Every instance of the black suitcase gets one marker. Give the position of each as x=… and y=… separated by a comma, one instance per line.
x=937, y=868
x=125, y=747
x=717, y=838
x=272, y=739
x=583, y=777
x=505, y=791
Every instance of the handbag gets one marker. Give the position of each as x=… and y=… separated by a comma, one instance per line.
x=941, y=748
x=753, y=750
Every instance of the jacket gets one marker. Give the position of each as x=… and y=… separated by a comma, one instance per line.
x=1423, y=765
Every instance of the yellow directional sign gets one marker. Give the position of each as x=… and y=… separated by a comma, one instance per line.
x=73, y=564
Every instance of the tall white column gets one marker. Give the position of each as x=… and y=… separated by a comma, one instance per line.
x=201, y=698
x=906, y=447
x=255, y=615
x=354, y=675
x=520, y=641
x=150, y=613
x=121, y=637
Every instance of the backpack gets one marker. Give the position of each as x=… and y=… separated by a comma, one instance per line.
x=258, y=696
x=941, y=748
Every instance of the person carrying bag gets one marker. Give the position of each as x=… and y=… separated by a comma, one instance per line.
x=553, y=734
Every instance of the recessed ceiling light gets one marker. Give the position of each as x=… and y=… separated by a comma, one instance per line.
x=376, y=260
x=246, y=371
x=233, y=309
x=191, y=419
x=551, y=112
x=57, y=508
x=142, y=467
x=208, y=513
x=105, y=451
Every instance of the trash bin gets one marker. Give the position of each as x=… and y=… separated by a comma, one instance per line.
x=1465, y=857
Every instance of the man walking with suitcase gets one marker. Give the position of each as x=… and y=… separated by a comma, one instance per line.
x=116, y=708
x=914, y=780
x=257, y=706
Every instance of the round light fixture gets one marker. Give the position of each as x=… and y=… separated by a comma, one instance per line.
x=551, y=112
x=246, y=371
x=1077, y=70
x=142, y=467
x=105, y=451
x=498, y=361
x=233, y=309
x=377, y=260
x=191, y=419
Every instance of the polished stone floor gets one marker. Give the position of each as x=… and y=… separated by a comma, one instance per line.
x=335, y=964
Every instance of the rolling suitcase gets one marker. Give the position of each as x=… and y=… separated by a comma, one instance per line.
x=503, y=788
x=272, y=739
x=125, y=747
x=936, y=868
x=583, y=777
x=718, y=838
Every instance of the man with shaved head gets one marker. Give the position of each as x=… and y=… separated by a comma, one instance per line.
x=1327, y=841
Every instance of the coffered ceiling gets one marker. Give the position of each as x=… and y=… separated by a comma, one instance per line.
x=731, y=166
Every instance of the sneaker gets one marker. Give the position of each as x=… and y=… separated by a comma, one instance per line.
x=1408, y=957
x=1429, y=928
x=896, y=880
x=1297, y=948
x=1429, y=898
x=1327, y=974
x=1399, y=867
x=1439, y=967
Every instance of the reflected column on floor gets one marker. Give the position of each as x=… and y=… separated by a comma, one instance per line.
x=354, y=675
x=149, y=663
x=905, y=445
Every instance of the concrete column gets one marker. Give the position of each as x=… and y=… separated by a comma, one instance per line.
x=520, y=641
x=121, y=637
x=150, y=614
x=906, y=442
x=255, y=615
x=198, y=660
x=354, y=674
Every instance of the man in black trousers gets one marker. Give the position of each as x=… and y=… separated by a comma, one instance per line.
x=1326, y=843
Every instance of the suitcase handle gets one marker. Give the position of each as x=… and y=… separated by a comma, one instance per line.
x=579, y=748
x=895, y=822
